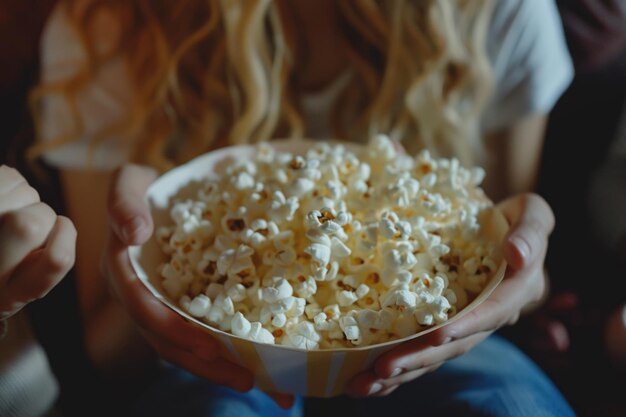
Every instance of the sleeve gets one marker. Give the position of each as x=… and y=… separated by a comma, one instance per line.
x=102, y=103
x=530, y=61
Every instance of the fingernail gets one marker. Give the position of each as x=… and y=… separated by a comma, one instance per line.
x=131, y=228
x=375, y=388
x=395, y=372
x=447, y=340
x=521, y=246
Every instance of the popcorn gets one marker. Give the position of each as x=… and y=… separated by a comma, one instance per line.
x=312, y=310
x=259, y=334
x=320, y=254
x=281, y=208
x=300, y=187
x=329, y=249
x=350, y=327
x=346, y=298
x=240, y=326
x=235, y=261
x=279, y=320
x=280, y=290
x=405, y=325
x=401, y=298
x=362, y=290
x=338, y=248
x=199, y=306
x=237, y=293
x=213, y=290
x=306, y=287
x=257, y=234
x=243, y=181
x=303, y=336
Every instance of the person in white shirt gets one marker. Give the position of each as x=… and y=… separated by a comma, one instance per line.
x=156, y=83
x=36, y=252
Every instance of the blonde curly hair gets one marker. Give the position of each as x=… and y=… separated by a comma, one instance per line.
x=215, y=72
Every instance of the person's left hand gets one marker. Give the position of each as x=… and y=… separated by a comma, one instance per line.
x=37, y=246
x=176, y=340
x=524, y=249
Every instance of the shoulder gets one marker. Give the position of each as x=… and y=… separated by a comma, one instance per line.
x=529, y=56
x=63, y=49
x=518, y=17
x=83, y=114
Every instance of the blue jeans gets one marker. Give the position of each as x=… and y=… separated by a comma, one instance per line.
x=493, y=379
x=178, y=393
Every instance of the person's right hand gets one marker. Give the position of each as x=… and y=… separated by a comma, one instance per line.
x=175, y=339
x=524, y=247
x=37, y=247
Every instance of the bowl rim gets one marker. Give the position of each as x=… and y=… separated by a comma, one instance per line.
x=295, y=146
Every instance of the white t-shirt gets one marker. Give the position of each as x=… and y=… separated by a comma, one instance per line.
x=526, y=47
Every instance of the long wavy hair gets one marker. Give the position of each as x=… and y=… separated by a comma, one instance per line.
x=206, y=73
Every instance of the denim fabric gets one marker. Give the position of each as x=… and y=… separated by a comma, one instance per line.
x=178, y=393
x=493, y=379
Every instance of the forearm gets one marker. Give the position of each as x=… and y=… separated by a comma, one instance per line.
x=114, y=344
x=515, y=155
x=112, y=341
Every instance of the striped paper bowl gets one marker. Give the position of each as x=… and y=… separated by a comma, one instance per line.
x=319, y=373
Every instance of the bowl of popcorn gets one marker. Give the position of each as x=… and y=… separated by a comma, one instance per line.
x=306, y=260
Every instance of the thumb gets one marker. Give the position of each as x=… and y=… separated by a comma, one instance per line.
x=128, y=211
x=532, y=222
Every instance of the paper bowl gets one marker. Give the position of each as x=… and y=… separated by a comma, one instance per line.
x=277, y=368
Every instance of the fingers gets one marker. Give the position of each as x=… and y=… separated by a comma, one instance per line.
x=9, y=179
x=175, y=339
x=219, y=371
x=21, y=232
x=391, y=384
x=42, y=269
x=364, y=384
x=21, y=195
x=370, y=384
x=388, y=390
x=408, y=362
x=524, y=248
x=129, y=213
x=416, y=355
x=532, y=222
x=525, y=245
x=149, y=312
x=36, y=246
x=501, y=308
